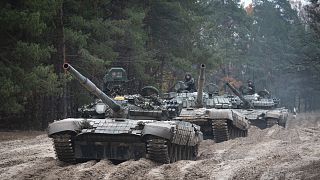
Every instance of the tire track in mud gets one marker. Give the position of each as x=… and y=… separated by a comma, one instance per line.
x=179, y=170
x=274, y=153
x=131, y=170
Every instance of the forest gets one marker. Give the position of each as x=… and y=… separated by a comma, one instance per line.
x=273, y=43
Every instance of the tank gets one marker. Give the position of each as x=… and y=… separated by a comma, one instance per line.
x=98, y=109
x=131, y=132
x=211, y=112
x=116, y=86
x=259, y=108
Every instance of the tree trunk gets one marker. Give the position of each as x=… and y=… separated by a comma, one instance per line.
x=60, y=45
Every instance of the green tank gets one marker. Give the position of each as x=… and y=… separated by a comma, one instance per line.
x=131, y=132
x=211, y=112
x=116, y=86
x=262, y=110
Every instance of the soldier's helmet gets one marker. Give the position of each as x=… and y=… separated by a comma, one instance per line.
x=250, y=83
x=187, y=77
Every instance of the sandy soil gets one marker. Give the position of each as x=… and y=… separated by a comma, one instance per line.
x=274, y=153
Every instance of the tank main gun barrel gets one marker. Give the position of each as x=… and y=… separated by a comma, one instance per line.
x=91, y=87
x=237, y=93
x=201, y=80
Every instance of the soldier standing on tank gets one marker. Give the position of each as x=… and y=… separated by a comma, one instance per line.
x=251, y=88
x=189, y=82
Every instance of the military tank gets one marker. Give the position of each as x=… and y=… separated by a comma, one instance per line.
x=116, y=86
x=131, y=133
x=259, y=108
x=211, y=112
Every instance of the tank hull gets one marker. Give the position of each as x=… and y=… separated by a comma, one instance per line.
x=217, y=124
x=123, y=139
x=265, y=118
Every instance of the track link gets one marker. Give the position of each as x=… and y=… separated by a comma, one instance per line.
x=220, y=130
x=64, y=148
x=159, y=150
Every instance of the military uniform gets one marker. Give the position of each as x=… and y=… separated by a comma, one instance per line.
x=189, y=82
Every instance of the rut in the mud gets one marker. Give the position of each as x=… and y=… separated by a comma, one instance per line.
x=265, y=154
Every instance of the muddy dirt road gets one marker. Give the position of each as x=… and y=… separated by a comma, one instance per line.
x=275, y=153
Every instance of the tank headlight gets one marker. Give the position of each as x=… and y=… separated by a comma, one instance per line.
x=101, y=108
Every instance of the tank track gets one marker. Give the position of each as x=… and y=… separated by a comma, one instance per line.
x=64, y=148
x=220, y=131
x=271, y=122
x=224, y=132
x=159, y=150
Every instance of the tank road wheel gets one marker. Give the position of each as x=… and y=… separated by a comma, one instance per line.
x=157, y=150
x=220, y=130
x=271, y=122
x=64, y=148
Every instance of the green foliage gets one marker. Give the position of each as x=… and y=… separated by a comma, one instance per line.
x=75, y=39
x=9, y=92
x=29, y=22
x=25, y=76
x=32, y=51
x=42, y=81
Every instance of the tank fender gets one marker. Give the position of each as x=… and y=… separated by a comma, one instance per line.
x=159, y=129
x=281, y=115
x=273, y=114
x=217, y=114
x=69, y=124
x=234, y=117
x=240, y=121
x=187, y=134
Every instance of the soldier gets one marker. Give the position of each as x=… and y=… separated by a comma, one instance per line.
x=189, y=82
x=251, y=88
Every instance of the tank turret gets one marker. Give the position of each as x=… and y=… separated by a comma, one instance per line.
x=208, y=110
x=260, y=109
